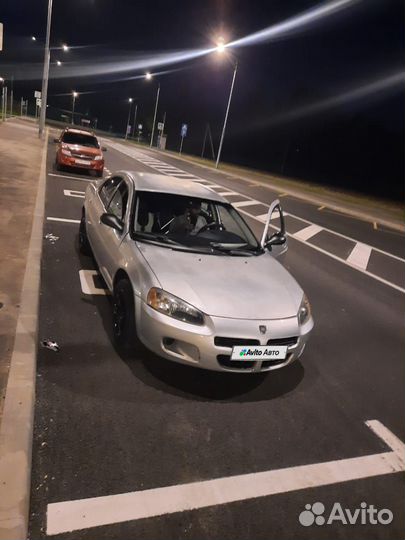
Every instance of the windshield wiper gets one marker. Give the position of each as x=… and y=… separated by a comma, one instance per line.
x=157, y=237
x=234, y=249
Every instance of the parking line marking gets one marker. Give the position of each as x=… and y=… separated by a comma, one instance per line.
x=321, y=207
x=282, y=195
x=250, y=202
x=308, y=232
x=65, y=220
x=73, y=193
x=87, y=282
x=82, y=514
x=360, y=255
x=225, y=193
x=375, y=225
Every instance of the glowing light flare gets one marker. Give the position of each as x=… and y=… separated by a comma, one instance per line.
x=75, y=94
x=294, y=24
x=65, y=47
x=148, y=76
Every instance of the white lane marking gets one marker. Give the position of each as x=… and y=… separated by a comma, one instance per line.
x=81, y=514
x=308, y=232
x=73, y=193
x=360, y=255
x=263, y=217
x=87, y=282
x=65, y=220
x=335, y=257
x=72, y=177
x=250, y=202
x=225, y=193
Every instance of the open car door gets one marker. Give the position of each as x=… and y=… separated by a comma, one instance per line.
x=276, y=240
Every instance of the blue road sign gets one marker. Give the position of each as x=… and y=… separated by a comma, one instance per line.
x=184, y=130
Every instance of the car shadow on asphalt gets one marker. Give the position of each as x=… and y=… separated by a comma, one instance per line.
x=190, y=382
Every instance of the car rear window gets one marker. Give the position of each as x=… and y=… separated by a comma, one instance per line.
x=81, y=139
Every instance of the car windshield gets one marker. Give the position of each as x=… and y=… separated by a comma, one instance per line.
x=80, y=139
x=182, y=222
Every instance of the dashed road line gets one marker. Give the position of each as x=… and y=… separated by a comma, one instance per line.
x=69, y=516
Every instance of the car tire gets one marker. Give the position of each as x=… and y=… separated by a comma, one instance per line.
x=99, y=174
x=57, y=166
x=84, y=245
x=124, y=328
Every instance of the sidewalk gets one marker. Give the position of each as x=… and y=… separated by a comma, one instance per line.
x=20, y=162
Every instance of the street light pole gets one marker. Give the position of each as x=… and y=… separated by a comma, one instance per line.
x=154, y=118
x=129, y=117
x=135, y=115
x=44, y=92
x=226, y=116
x=73, y=106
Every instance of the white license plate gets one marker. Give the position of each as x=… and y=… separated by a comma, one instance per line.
x=82, y=162
x=259, y=352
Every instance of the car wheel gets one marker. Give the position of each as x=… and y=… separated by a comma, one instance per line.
x=57, y=166
x=124, y=315
x=99, y=174
x=84, y=244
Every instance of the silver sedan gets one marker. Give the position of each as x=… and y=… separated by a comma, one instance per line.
x=188, y=277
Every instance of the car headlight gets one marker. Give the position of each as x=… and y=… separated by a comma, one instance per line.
x=173, y=307
x=305, y=310
x=97, y=158
x=66, y=151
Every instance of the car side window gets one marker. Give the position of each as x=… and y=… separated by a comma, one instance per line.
x=108, y=189
x=119, y=202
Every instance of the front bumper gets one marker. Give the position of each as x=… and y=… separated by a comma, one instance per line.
x=210, y=346
x=92, y=164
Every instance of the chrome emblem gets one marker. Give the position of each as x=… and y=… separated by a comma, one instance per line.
x=263, y=329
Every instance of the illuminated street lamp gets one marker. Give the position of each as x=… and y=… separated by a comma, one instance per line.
x=220, y=48
x=58, y=63
x=148, y=77
x=65, y=47
x=74, y=96
x=130, y=100
x=33, y=38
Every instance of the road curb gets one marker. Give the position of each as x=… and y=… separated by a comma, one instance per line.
x=16, y=428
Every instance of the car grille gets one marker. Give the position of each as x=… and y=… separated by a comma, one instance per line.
x=82, y=156
x=289, y=341
x=234, y=342
x=225, y=361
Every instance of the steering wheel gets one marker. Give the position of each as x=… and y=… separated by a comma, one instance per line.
x=211, y=226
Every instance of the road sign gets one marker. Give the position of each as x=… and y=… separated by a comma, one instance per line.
x=183, y=132
x=39, y=102
x=161, y=126
x=1, y=36
x=37, y=94
x=129, y=129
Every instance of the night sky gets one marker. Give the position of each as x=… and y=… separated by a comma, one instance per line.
x=355, y=142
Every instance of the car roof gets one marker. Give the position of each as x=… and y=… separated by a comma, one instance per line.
x=79, y=131
x=163, y=183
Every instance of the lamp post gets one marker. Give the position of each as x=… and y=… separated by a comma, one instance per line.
x=129, y=117
x=135, y=115
x=74, y=96
x=148, y=77
x=221, y=49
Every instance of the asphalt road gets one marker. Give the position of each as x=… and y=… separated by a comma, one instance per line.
x=107, y=425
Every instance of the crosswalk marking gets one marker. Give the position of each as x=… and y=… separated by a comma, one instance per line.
x=308, y=232
x=360, y=255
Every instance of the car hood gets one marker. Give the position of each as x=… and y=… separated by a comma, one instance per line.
x=84, y=150
x=225, y=286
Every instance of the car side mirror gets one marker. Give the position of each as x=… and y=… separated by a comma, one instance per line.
x=104, y=149
x=276, y=239
x=112, y=221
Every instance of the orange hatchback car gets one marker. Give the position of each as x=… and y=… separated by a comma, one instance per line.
x=79, y=149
